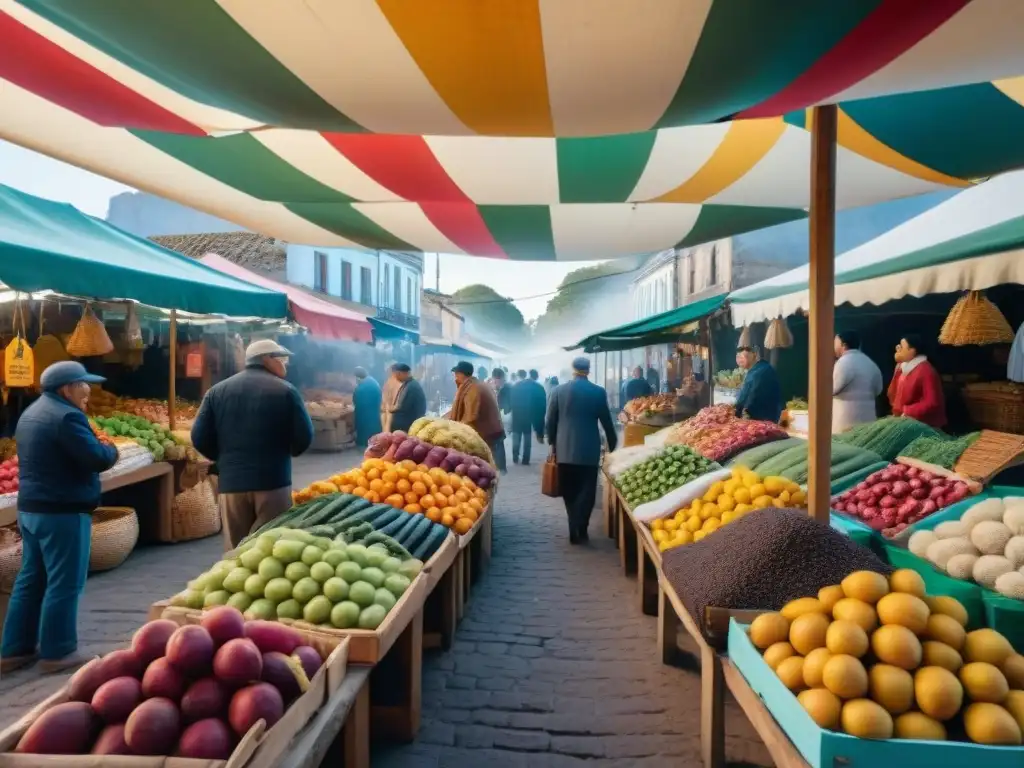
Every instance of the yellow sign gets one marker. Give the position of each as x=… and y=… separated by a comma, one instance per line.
x=19, y=364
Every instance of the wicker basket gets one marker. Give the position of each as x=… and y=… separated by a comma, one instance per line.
x=975, y=320
x=10, y=558
x=115, y=530
x=90, y=338
x=195, y=514
x=779, y=336
x=999, y=411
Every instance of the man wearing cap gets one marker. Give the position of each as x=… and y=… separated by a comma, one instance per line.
x=476, y=405
x=760, y=397
x=366, y=402
x=59, y=461
x=574, y=412
x=251, y=425
x=410, y=402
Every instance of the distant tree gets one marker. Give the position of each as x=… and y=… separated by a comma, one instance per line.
x=490, y=313
x=578, y=290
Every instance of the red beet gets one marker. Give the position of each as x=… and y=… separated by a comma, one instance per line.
x=190, y=649
x=153, y=728
x=150, y=642
x=65, y=729
x=115, y=699
x=252, y=704
x=163, y=680
x=205, y=698
x=238, y=662
x=286, y=674
x=310, y=659
x=209, y=739
x=111, y=741
x=224, y=623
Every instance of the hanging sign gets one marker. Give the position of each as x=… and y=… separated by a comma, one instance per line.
x=194, y=365
x=19, y=364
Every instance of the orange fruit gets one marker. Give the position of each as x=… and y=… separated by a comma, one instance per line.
x=347, y=488
x=389, y=476
x=422, y=467
x=415, y=476
x=376, y=485
x=438, y=475
x=359, y=491
x=454, y=481
x=427, y=501
x=373, y=496
x=447, y=520
x=412, y=498
x=403, y=486
x=440, y=499
x=463, y=526
x=449, y=511
x=419, y=488
x=434, y=514
x=471, y=514
x=447, y=490
x=481, y=494
x=402, y=472
x=396, y=500
x=373, y=473
x=387, y=489
x=408, y=465
x=363, y=483
x=476, y=504
x=461, y=495
x=413, y=508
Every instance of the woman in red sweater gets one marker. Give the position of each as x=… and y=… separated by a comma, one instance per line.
x=916, y=389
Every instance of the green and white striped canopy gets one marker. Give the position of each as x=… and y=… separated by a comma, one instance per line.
x=524, y=129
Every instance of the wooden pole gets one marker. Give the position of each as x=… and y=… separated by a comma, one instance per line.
x=172, y=395
x=822, y=307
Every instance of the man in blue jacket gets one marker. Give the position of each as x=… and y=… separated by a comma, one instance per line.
x=574, y=413
x=760, y=397
x=251, y=425
x=366, y=400
x=525, y=397
x=59, y=461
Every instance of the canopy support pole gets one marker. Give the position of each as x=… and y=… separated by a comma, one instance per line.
x=172, y=396
x=821, y=324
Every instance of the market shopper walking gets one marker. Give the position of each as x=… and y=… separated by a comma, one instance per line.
x=529, y=403
x=574, y=412
x=410, y=402
x=856, y=384
x=250, y=426
x=476, y=405
x=366, y=402
x=59, y=461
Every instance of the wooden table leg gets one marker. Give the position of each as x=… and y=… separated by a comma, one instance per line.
x=647, y=580
x=712, y=708
x=355, y=733
x=627, y=544
x=401, y=671
x=449, y=606
x=459, y=572
x=668, y=628
x=608, y=499
x=467, y=573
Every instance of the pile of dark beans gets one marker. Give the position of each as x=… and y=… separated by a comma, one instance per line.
x=764, y=560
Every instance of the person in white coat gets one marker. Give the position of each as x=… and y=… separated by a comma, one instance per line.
x=856, y=384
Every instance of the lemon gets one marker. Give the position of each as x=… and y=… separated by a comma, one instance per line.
x=742, y=509
x=761, y=502
x=731, y=486
x=671, y=525
x=708, y=511
x=798, y=497
x=716, y=489
x=693, y=524
x=737, y=472
x=726, y=503
x=660, y=535
x=663, y=545
x=750, y=479
x=683, y=536
x=699, y=535
x=757, y=490
x=742, y=496
x=728, y=517
x=712, y=524
x=774, y=485
x=658, y=525
x=784, y=497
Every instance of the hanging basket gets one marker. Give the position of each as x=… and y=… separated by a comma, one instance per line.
x=744, y=337
x=115, y=531
x=90, y=338
x=975, y=320
x=779, y=336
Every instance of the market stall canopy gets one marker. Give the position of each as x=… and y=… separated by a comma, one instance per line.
x=664, y=328
x=971, y=242
x=442, y=150
x=48, y=246
x=385, y=331
x=322, y=319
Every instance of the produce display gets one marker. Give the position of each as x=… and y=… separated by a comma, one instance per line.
x=673, y=466
x=191, y=691
x=639, y=407
x=160, y=441
x=794, y=462
x=451, y=434
x=986, y=545
x=876, y=658
x=103, y=403
x=621, y=459
x=102, y=436
x=797, y=404
x=348, y=518
x=8, y=448
x=898, y=496
x=9, y=475
x=940, y=450
x=887, y=437
x=731, y=379
x=718, y=434
x=724, y=502
x=285, y=573
x=398, y=446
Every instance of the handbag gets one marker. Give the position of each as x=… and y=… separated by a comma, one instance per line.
x=549, y=478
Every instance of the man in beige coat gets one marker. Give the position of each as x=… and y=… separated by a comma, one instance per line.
x=389, y=398
x=476, y=405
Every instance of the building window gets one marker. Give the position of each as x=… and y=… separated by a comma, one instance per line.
x=714, y=265
x=346, y=280
x=320, y=271
x=365, y=289
x=398, y=289
x=385, y=300
x=408, y=295
x=692, y=286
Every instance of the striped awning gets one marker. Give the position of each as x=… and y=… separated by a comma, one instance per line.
x=524, y=129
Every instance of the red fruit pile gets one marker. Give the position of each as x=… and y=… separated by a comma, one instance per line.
x=898, y=496
x=9, y=475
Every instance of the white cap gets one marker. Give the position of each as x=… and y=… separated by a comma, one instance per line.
x=264, y=348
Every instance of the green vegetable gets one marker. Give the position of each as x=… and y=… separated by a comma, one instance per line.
x=431, y=544
x=940, y=450
x=756, y=456
x=887, y=437
x=651, y=479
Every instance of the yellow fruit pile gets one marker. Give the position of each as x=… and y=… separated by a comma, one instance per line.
x=878, y=659
x=725, y=501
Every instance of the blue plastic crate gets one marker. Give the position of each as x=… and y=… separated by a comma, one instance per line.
x=825, y=749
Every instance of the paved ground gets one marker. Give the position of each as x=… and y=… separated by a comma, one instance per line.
x=554, y=665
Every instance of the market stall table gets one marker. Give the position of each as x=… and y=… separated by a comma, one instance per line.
x=346, y=713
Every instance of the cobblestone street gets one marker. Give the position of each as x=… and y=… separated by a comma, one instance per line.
x=553, y=665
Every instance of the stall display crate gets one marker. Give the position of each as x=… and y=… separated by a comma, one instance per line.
x=822, y=748
x=332, y=435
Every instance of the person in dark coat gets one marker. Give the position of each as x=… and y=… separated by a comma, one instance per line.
x=59, y=461
x=251, y=425
x=524, y=397
x=540, y=405
x=366, y=400
x=760, y=397
x=410, y=402
x=575, y=410
x=637, y=386
x=502, y=390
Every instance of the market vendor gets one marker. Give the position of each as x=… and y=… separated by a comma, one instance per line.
x=410, y=402
x=856, y=384
x=760, y=397
x=251, y=425
x=637, y=386
x=59, y=461
x=366, y=400
x=916, y=389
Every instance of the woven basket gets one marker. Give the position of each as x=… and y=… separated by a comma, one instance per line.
x=744, y=340
x=996, y=410
x=778, y=336
x=975, y=320
x=90, y=338
x=195, y=514
x=10, y=558
x=115, y=530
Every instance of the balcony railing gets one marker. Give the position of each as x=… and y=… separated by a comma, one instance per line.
x=393, y=316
